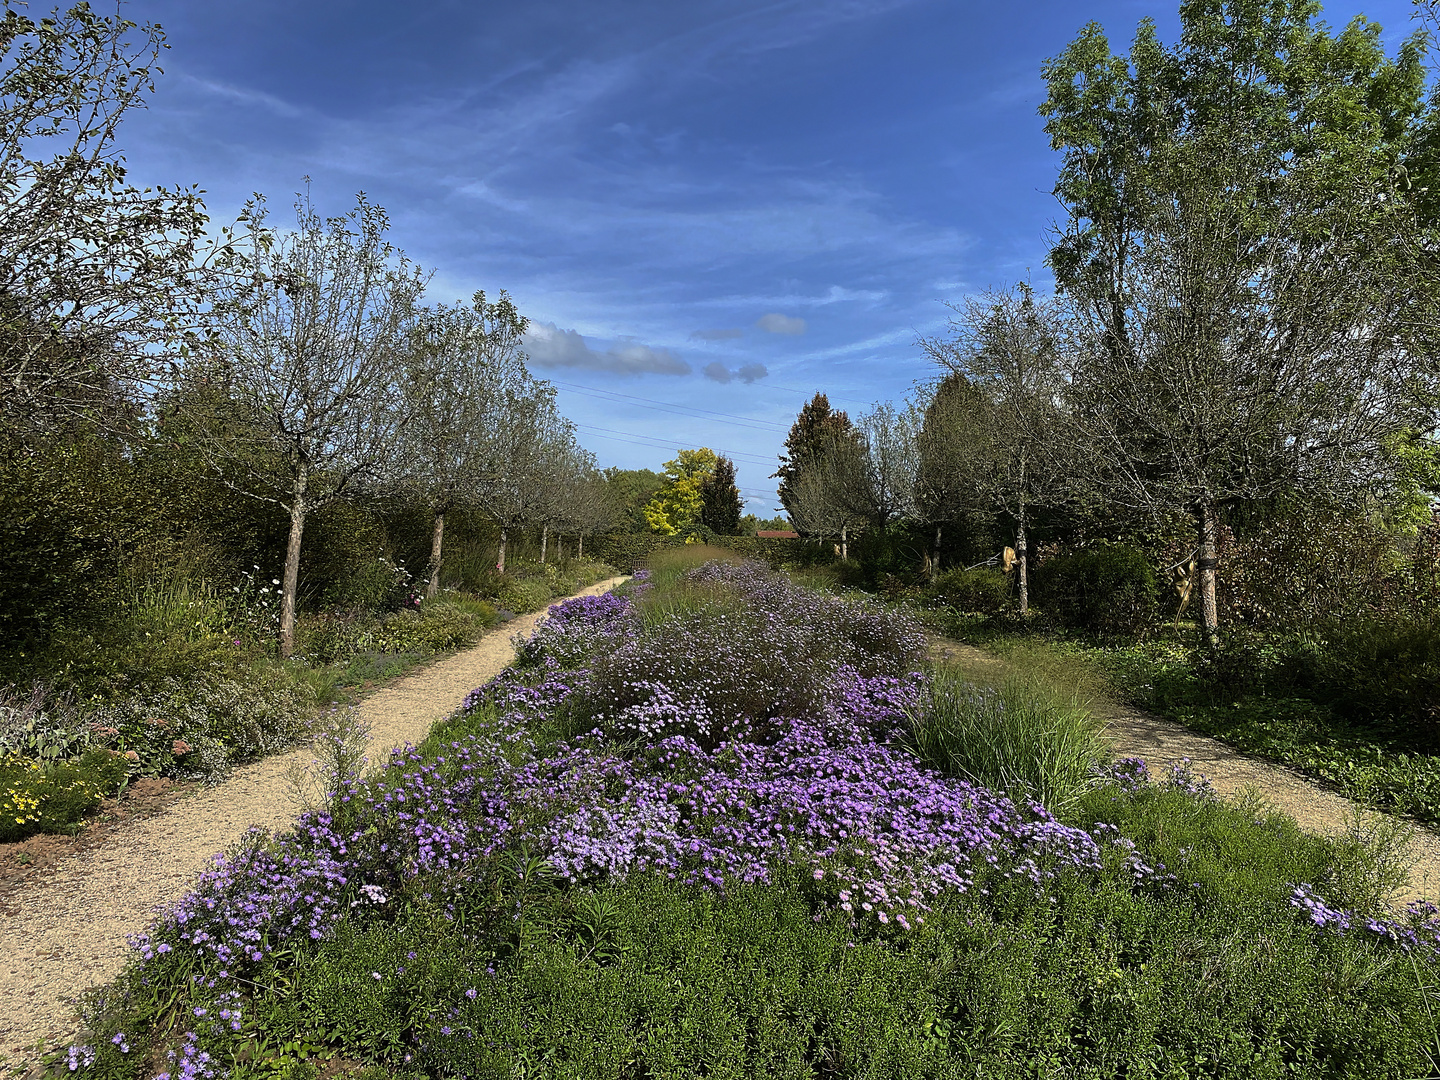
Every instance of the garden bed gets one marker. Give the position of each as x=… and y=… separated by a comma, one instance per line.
x=702, y=829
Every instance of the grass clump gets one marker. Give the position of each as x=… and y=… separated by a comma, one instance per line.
x=1023, y=738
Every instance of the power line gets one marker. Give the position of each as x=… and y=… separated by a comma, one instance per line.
x=663, y=444
x=672, y=407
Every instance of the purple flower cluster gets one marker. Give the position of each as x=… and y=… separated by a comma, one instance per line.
x=1417, y=930
x=881, y=833
x=573, y=630
x=1131, y=774
x=752, y=655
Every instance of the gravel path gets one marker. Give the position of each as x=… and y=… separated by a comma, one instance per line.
x=1136, y=733
x=66, y=931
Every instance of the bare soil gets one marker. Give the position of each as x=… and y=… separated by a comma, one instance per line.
x=1136, y=733
x=67, y=904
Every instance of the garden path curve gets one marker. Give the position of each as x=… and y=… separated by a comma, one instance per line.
x=66, y=930
x=1136, y=733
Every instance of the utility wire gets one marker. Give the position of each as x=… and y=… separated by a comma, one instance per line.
x=672, y=407
x=663, y=444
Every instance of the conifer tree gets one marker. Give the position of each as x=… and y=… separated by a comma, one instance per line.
x=720, y=503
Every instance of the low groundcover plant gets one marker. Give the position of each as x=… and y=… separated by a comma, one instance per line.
x=761, y=748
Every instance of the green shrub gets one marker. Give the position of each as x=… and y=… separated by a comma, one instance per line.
x=1245, y=855
x=984, y=591
x=1091, y=977
x=530, y=594
x=35, y=798
x=1106, y=590
x=40, y=725
x=1386, y=672
x=199, y=727
x=1020, y=738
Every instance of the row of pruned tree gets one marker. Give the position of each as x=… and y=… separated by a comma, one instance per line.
x=323, y=374
x=1248, y=303
x=300, y=364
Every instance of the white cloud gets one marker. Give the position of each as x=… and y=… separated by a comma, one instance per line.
x=550, y=347
x=776, y=323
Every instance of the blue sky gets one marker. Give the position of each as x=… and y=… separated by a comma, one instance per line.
x=709, y=210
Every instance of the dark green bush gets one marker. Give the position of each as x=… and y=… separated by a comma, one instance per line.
x=1104, y=590
x=1386, y=673
x=984, y=591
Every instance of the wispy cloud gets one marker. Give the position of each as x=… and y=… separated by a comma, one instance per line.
x=717, y=335
x=550, y=347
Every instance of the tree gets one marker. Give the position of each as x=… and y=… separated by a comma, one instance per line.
x=526, y=439
x=310, y=355
x=944, y=490
x=590, y=508
x=100, y=282
x=817, y=430
x=720, y=502
x=678, y=504
x=630, y=490
x=462, y=360
x=1240, y=261
x=997, y=431
x=871, y=475
x=818, y=507
x=569, y=467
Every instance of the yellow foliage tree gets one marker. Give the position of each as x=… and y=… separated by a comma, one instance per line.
x=677, y=505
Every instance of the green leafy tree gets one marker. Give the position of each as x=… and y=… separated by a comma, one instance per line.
x=1240, y=262
x=818, y=431
x=461, y=363
x=630, y=490
x=993, y=437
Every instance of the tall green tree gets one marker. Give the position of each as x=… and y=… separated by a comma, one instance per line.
x=679, y=503
x=461, y=362
x=1241, y=259
x=720, y=502
x=818, y=432
x=993, y=433
x=629, y=491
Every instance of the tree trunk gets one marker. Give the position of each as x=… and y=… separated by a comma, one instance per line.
x=1206, y=561
x=1021, y=564
x=291, y=581
x=935, y=561
x=500, y=562
x=544, y=539
x=580, y=547
x=844, y=543
x=433, y=589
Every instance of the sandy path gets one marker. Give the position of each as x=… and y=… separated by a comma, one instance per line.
x=1136, y=733
x=66, y=931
